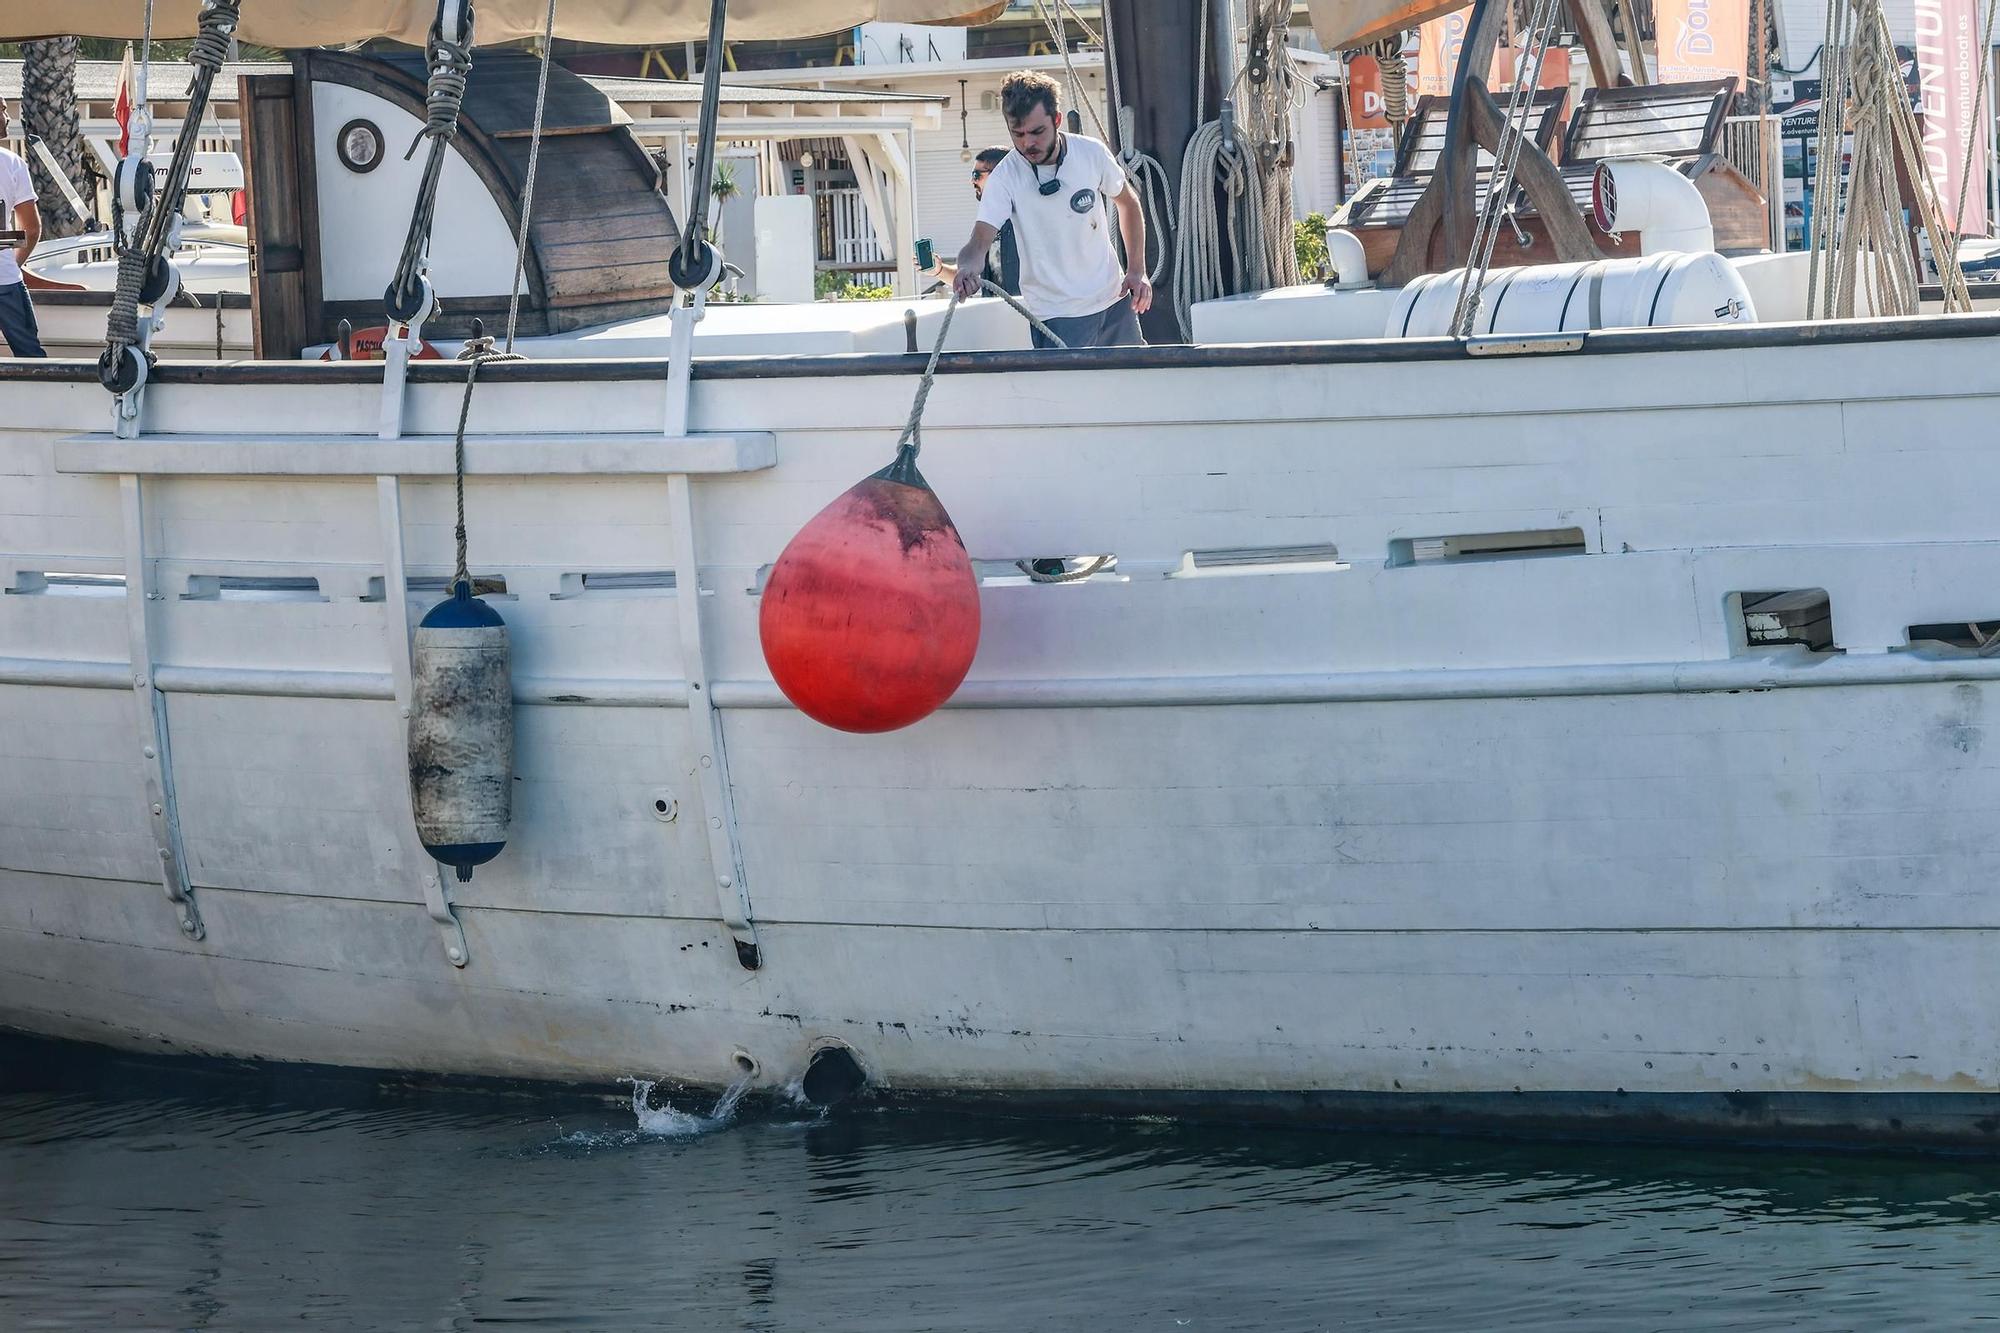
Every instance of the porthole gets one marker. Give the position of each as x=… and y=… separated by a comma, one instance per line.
x=359, y=145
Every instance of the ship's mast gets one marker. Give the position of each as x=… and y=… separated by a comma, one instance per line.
x=1155, y=46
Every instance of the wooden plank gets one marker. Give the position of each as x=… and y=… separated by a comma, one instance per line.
x=640, y=252
x=637, y=224
x=278, y=322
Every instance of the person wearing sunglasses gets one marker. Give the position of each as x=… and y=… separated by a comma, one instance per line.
x=1058, y=190
x=1003, y=258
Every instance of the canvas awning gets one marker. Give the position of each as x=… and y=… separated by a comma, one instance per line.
x=1345, y=24
x=300, y=23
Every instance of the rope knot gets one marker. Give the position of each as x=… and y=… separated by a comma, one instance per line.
x=211, y=43
x=444, y=95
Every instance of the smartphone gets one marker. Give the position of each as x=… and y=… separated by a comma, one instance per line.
x=926, y=256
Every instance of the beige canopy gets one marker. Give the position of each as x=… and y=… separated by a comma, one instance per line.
x=1345, y=24
x=300, y=23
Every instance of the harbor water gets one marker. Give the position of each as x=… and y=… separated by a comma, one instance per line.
x=151, y=1198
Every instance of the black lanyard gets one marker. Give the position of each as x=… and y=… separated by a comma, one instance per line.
x=1054, y=183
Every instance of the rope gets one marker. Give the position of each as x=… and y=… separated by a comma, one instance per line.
x=1096, y=564
x=1862, y=238
x=1145, y=175
x=137, y=256
x=1395, y=81
x=1500, y=188
x=449, y=64
x=146, y=53
x=1256, y=215
x=478, y=352
x=911, y=441
x=534, y=161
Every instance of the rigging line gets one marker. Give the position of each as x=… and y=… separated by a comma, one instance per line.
x=146, y=64
x=1513, y=141
x=534, y=161
x=694, y=242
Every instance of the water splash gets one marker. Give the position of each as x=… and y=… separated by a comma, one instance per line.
x=664, y=1122
x=655, y=1122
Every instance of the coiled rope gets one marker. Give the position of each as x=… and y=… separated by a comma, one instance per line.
x=1395, y=81
x=1256, y=214
x=449, y=64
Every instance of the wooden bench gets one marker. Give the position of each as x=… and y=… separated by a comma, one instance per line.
x=1680, y=123
x=1379, y=208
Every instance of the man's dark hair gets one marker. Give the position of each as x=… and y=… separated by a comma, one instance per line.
x=990, y=156
x=1022, y=91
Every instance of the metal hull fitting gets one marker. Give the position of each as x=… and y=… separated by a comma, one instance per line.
x=1305, y=807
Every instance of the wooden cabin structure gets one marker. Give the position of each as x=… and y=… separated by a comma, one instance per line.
x=1420, y=218
x=325, y=147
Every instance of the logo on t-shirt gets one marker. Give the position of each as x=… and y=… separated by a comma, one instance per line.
x=1083, y=200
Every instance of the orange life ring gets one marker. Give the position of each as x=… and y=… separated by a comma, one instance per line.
x=366, y=345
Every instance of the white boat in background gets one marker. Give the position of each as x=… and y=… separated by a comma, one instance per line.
x=1573, y=728
x=212, y=258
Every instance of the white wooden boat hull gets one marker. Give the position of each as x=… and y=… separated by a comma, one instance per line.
x=1301, y=835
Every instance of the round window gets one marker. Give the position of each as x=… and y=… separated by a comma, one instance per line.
x=359, y=145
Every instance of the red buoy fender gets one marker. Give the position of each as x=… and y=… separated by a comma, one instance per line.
x=870, y=618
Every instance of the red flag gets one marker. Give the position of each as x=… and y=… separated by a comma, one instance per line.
x=122, y=111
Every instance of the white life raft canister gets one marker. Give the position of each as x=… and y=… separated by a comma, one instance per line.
x=1647, y=292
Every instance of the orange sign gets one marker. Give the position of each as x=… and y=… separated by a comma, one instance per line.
x=1438, y=45
x=1442, y=40
x=1702, y=39
x=1365, y=108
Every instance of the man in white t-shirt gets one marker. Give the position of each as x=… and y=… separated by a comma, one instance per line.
x=18, y=212
x=1058, y=189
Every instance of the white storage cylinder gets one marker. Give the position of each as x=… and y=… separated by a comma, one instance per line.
x=1649, y=292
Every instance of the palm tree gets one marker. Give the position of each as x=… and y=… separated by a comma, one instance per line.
x=48, y=111
x=720, y=192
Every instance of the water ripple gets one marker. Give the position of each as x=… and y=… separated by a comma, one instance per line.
x=195, y=1209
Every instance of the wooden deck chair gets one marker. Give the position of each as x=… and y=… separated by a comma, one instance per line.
x=1682, y=123
x=1380, y=208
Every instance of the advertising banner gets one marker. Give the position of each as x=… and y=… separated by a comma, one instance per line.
x=1365, y=107
x=1948, y=86
x=1702, y=39
x=1438, y=45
